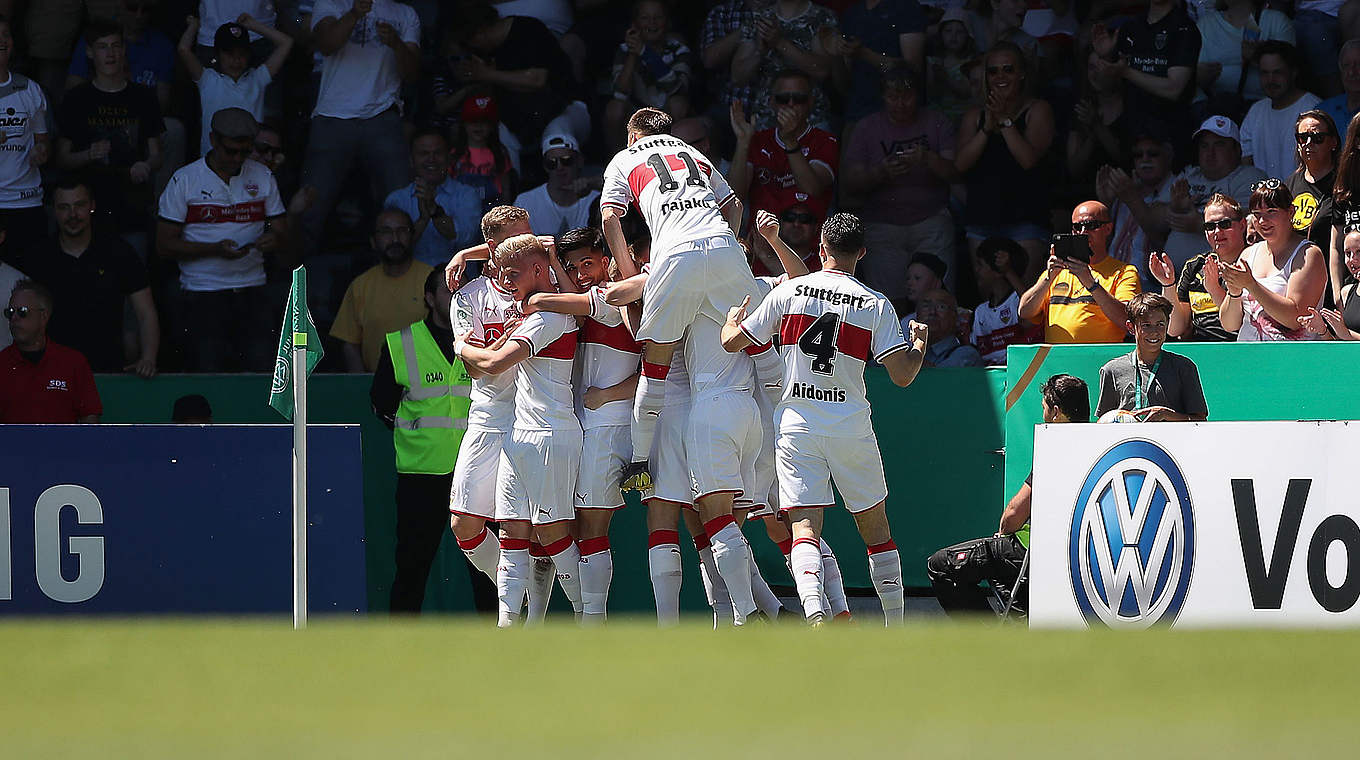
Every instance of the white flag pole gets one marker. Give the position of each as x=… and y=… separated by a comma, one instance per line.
x=299, y=480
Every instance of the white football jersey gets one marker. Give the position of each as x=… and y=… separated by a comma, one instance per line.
x=543, y=399
x=23, y=114
x=674, y=186
x=828, y=325
x=996, y=328
x=486, y=308
x=608, y=356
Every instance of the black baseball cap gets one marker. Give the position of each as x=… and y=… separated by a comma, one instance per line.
x=231, y=36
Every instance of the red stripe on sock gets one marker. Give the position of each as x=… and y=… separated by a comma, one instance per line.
x=593, y=546
x=700, y=543
x=655, y=371
x=806, y=540
x=474, y=542
x=662, y=537
x=718, y=523
x=886, y=546
x=512, y=544
x=558, y=546
x=786, y=546
x=536, y=549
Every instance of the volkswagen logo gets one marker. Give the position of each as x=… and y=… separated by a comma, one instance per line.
x=1131, y=547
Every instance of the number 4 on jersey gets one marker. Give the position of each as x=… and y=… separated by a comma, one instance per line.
x=819, y=342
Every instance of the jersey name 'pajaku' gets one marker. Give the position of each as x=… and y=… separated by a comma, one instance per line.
x=674, y=186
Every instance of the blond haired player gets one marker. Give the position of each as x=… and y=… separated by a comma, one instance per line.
x=829, y=325
x=540, y=458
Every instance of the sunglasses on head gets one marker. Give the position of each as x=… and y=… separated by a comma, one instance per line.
x=1005, y=68
x=787, y=98
x=1309, y=138
x=1221, y=224
x=1089, y=225
x=554, y=163
x=1268, y=184
x=20, y=311
x=798, y=217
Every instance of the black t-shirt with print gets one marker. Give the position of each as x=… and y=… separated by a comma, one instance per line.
x=1313, y=207
x=1154, y=49
x=1204, y=324
x=127, y=119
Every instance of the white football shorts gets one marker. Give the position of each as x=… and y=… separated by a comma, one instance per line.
x=669, y=464
x=806, y=464
x=722, y=443
x=477, y=473
x=708, y=279
x=604, y=452
x=538, y=472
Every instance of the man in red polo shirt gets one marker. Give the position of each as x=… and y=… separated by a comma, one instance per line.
x=794, y=162
x=41, y=381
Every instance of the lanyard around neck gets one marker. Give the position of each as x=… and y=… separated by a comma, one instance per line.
x=1140, y=396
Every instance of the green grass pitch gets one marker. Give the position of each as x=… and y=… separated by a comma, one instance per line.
x=456, y=688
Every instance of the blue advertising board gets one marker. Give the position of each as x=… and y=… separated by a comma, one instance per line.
x=175, y=519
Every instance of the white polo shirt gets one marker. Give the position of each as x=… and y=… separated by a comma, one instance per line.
x=212, y=211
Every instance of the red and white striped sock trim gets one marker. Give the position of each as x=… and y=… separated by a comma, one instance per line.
x=807, y=540
x=700, y=543
x=712, y=527
x=655, y=371
x=662, y=538
x=474, y=542
x=514, y=544
x=557, y=547
x=886, y=546
x=592, y=546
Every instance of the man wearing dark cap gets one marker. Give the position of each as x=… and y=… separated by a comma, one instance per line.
x=219, y=217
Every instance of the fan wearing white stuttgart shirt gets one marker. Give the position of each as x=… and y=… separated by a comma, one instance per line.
x=23, y=149
x=697, y=266
x=608, y=362
x=483, y=310
x=829, y=325
x=541, y=457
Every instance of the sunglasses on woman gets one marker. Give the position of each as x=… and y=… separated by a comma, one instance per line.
x=1310, y=138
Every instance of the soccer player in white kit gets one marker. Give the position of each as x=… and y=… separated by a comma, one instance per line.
x=607, y=360
x=829, y=325
x=539, y=459
x=482, y=309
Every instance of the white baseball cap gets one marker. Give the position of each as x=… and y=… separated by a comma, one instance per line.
x=560, y=141
x=1221, y=126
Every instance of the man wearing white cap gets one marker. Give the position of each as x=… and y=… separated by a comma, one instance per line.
x=1219, y=169
x=566, y=200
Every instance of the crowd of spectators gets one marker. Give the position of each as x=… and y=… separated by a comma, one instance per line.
x=1205, y=150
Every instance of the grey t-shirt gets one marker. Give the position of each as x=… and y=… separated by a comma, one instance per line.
x=1174, y=385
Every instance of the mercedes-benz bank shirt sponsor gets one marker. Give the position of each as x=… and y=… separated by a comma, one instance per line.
x=1195, y=525
x=212, y=211
x=23, y=114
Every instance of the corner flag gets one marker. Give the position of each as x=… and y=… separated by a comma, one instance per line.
x=298, y=332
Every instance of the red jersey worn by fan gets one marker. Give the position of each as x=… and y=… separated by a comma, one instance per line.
x=773, y=187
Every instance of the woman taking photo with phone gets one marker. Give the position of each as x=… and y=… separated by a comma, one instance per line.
x=1275, y=281
x=1003, y=155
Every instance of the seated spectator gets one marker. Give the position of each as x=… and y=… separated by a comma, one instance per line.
x=956, y=571
x=385, y=298
x=42, y=382
x=368, y=48
x=793, y=162
x=1099, y=124
x=1139, y=220
x=1266, y=129
x=1079, y=302
x=447, y=213
x=522, y=64
x=91, y=273
x=192, y=409
x=219, y=217
x=940, y=312
x=1343, y=322
x=1196, y=296
x=1152, y=384
x=1344, y=106
x=1003, y=151
x=231, y=82
x=787, y=34
x=651, y=68
x=1315, y=152
x=478, y=158
x=1156, y=55
x=112, y=128
x=798, y=230
x=1218, y=170
x=950, y=91
x=567, y=200
x=876, y=36
x=25, y=151
x=1276, y=281
x=999, y=266
x=1230, y=40
x=900, y=161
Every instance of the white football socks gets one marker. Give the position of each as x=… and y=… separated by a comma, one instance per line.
x=651, y=395
x=832, y=583
x=512, y=575
x=596, y=571
x=732, y=555
x=663, y=560
x=805, y=560
x=541, y=576
x=714, y=588
x=567, y=559
x=483, y=551
x=885, y=569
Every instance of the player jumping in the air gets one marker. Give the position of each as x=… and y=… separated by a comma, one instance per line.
x=829, y=325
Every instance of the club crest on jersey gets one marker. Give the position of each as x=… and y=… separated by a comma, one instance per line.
x=252, y=189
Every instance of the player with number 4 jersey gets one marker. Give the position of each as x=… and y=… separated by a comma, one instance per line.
x=829, y=325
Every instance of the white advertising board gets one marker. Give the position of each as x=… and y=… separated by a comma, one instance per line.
x=1217, y=524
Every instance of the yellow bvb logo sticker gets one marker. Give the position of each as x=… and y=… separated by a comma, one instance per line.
x=1305, y=209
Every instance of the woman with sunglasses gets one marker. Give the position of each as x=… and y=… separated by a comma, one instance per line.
x=1003, y=155
x=1311, y=183
x=1276, y=281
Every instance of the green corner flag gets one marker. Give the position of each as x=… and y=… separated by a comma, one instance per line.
x=298, y=332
